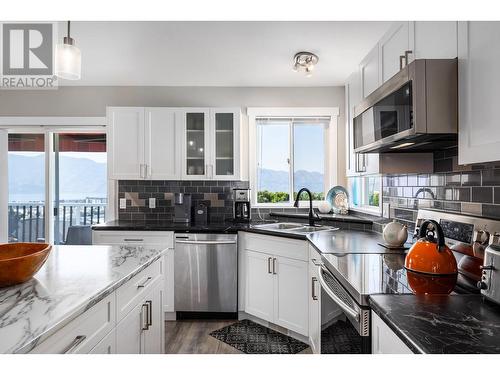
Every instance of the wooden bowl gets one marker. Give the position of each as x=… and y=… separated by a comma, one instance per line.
x=20, y=261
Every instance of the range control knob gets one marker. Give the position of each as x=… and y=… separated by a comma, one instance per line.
x=482, y=285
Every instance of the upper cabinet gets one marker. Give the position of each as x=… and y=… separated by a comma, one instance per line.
x=125, y=143
x=142, y=143
x=392, y=48
x=478, y=81
x=211, y=141
x=173, y=143
x=369, y=70
x=409, y=40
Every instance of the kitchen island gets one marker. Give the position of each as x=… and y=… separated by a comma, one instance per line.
x=72, y=281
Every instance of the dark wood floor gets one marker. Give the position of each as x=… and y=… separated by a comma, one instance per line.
x=192, y=337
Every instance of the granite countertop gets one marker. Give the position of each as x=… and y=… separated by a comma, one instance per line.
x=73, y=279
x=350, y=241
x=442, y=324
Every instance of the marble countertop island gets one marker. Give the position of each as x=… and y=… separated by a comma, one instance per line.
x=73, y=279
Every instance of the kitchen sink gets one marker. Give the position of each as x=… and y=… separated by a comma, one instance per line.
x=294, y=228
x=279, y=226
x=309, y=229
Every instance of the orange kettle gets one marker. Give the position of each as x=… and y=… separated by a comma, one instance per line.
x=430, y=264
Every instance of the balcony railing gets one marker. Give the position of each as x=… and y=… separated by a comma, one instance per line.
x=27, y=220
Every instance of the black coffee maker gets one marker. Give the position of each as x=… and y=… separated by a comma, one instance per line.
x=241, y=209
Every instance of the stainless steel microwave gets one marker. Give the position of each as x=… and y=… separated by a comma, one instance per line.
x=414, y=111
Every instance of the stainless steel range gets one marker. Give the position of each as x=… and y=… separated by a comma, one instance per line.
x=353, y=269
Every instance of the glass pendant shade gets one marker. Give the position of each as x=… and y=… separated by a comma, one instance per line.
x=68, y=61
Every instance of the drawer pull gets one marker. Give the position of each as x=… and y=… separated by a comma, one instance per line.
x=145, y=283
x=74, y=344
x=150, y=313
x=145, y=324
x=133, y=239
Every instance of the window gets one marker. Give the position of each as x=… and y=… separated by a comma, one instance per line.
x=290, y=155
x=365, y=193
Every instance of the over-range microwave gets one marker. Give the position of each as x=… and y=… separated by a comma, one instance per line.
x=414, y=111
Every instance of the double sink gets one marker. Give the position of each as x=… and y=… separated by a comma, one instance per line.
x=293, y=228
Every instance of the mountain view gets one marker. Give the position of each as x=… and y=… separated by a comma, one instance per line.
x=79, y=178
x=278, y=181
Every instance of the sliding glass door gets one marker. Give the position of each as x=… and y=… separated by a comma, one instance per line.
x=80, y=186
x=26, y=187
x=57, y=185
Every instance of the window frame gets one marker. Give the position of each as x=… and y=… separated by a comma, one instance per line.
x=330, y=175
x=365, y=208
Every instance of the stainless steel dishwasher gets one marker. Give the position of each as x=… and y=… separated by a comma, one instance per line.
x=206, y=269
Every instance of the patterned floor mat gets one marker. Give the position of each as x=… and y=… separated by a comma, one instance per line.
x=252, y=338
x=340, y=338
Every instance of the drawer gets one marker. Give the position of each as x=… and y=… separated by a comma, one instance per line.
x=82, y=333
x=274, y=245
x=105, y=237
x=130, y=294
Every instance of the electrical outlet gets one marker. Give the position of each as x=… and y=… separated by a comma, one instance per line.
x=123, y=203
x=152, y=202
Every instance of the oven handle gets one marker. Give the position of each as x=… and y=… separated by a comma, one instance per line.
x=347, y=309
x=202, y=242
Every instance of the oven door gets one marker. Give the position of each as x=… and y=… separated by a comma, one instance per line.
x=351, y=327
x=359, y=317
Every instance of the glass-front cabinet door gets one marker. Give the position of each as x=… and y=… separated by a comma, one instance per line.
x=225, y=143
x=196, y=128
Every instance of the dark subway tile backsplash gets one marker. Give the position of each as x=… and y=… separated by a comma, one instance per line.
x=217, y=195
x=472, y=189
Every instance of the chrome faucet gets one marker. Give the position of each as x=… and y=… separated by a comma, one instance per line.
x=312, y=215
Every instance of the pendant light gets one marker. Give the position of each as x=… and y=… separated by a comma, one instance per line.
x=68, y=59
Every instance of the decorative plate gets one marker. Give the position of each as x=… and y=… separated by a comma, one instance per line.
x=339, y=199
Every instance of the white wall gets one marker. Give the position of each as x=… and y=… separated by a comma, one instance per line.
x=92, y=101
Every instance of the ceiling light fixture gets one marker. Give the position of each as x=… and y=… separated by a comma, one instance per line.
x=305, y=61
x=68, y=59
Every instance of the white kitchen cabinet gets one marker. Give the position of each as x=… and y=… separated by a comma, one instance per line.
x=356, y=164
x=129, y=332
x=259, y=285
x=84, y=332
x=154, y=336
x=276, y=280
x=146, y=238
x=432, y=40
x=162, y=144
x=211, y=143
x=416, y=40
x=142, y=329
x=478, y=82
x=143, y=143
x=384, y=340
x=225, y=143
x=107, y=345
x=314, y=303
x=292, y=291
x=393, y=45
x=125, y=143
x=369, y=70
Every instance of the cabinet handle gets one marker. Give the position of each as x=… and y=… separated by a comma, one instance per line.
x=313, y=289
x=269, y=265
x=401, y=59
x=133, y=239
x=316, y=263
x=74, y=344
x=144, y=327
x=146, y=174
x=146, y=282
x=274, y=266
x=150, y=313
